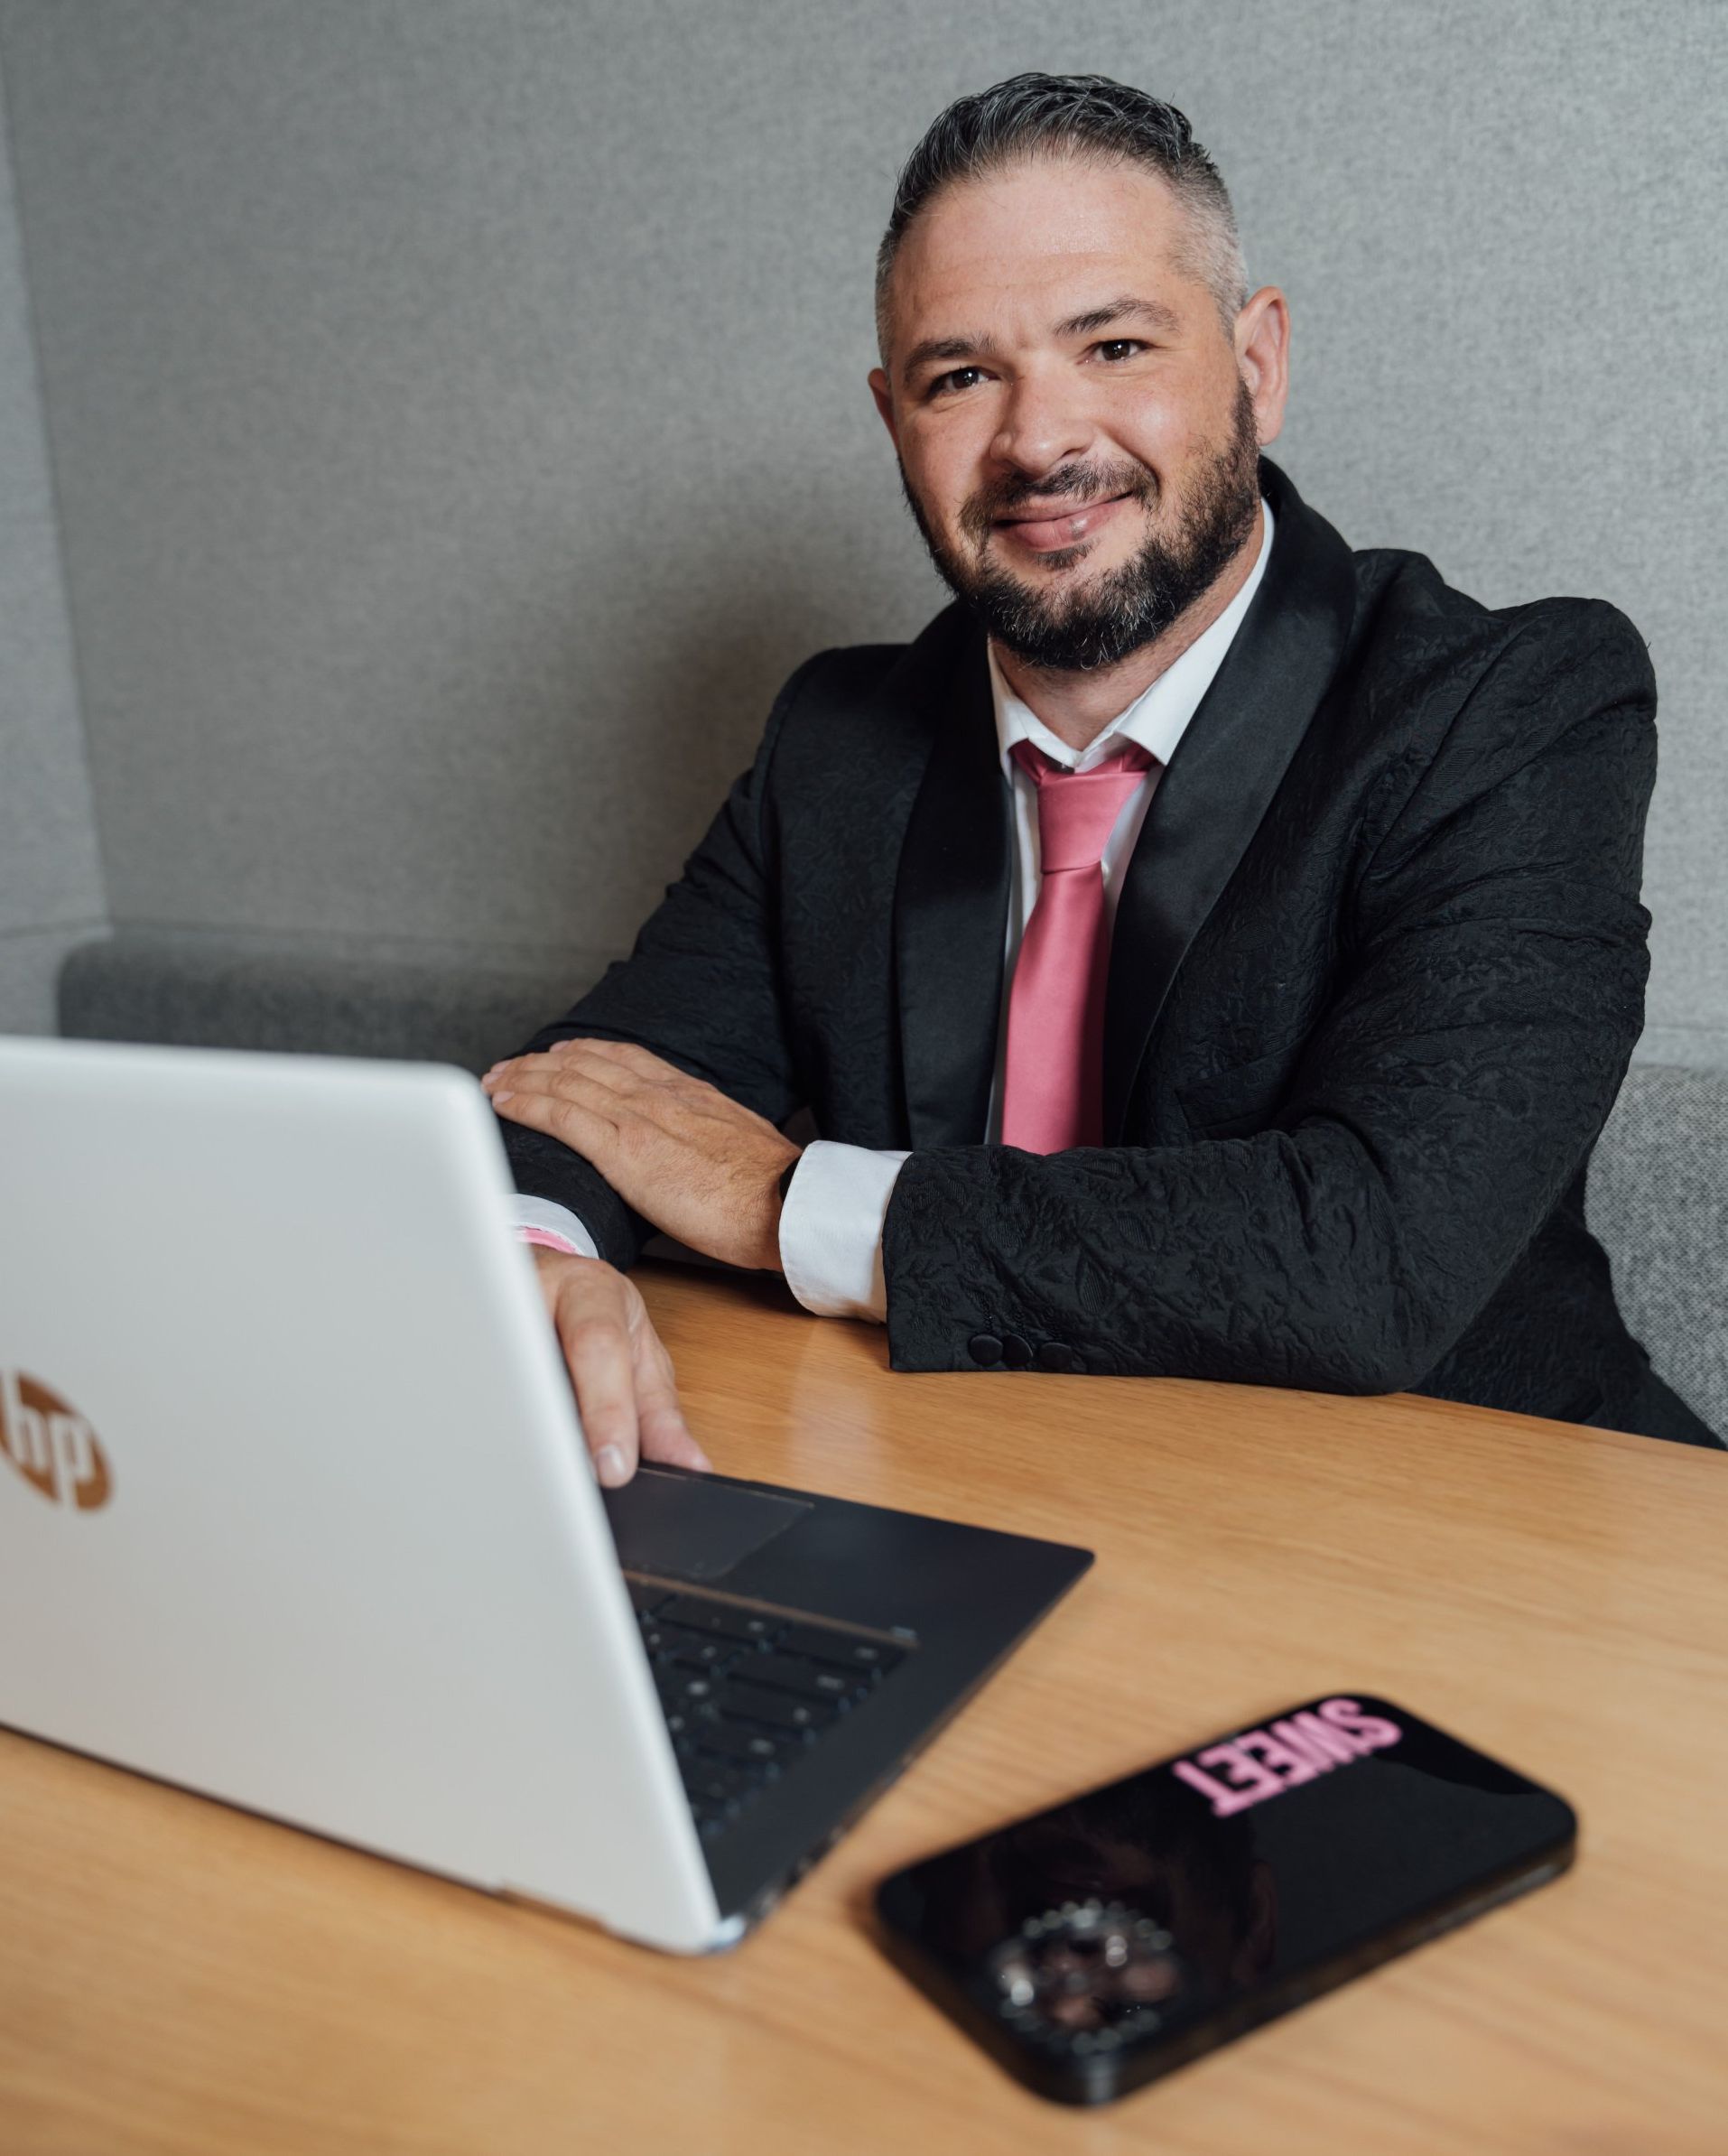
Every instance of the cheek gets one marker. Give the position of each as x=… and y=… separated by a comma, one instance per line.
x=1153, y=428
x=1169, y=424
x=945, y=457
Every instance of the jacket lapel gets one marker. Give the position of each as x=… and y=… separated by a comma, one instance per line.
x=951, y=907
x=1222, y=779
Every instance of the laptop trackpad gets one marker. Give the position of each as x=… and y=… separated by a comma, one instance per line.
x=691, y=1527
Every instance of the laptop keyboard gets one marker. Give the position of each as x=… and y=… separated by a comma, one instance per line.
x=748, y=1693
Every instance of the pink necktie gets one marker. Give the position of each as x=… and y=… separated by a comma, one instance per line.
x=1053, y=1087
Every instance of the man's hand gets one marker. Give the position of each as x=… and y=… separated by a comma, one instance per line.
x=702, y=1168
x=621, y=1372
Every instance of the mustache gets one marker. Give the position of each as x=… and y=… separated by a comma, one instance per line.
x=1090, y=482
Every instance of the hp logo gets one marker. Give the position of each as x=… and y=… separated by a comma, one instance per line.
x=50, y=1445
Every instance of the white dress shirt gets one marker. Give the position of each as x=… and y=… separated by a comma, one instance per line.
x=830, y=1226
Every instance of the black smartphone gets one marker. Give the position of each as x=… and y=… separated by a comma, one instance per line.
x=1096, y=1946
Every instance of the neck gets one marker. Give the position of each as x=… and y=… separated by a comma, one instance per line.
x=1078, y=706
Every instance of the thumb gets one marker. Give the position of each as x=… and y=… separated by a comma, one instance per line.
x=664, y=1434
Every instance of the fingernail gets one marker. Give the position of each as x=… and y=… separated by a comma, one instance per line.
x=505, y=1095
x=608, y=1463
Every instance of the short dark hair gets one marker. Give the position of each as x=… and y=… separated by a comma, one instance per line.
x=1072, y=115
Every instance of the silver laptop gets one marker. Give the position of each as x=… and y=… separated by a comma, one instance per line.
x=295, y=1511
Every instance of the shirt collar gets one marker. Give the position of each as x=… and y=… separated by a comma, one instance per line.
x=1158, y=717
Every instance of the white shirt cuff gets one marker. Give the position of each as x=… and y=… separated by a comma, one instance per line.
x=553, y=1220
x=831, y=1229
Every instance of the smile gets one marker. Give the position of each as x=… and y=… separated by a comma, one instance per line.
x=1047, y=531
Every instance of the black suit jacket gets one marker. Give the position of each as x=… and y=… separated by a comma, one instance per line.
x=1378, y=967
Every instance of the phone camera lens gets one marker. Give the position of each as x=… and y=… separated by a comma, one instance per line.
x=1088, y=1975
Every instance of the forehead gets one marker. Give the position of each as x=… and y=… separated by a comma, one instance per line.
x=1037, y=236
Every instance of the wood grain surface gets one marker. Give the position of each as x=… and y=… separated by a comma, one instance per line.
x=179, y=1977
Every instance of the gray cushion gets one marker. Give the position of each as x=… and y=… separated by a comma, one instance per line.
x=211, y=994
x=1658, y=1205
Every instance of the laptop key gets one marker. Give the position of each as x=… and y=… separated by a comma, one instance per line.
x=751, y=1625
x=784, y=1710
x=844, y=1649
x=681, y=1689
x=672, y=1638
x=695, y=1653
x=711, y=1781
x=750, y=1747
x=812, y=1679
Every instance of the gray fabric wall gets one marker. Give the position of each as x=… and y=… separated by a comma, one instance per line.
x=50, y=884
x=459, y=416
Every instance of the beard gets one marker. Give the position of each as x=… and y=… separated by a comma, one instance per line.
x=1101, y=621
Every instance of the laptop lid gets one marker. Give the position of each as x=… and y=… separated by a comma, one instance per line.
x=294, y=1508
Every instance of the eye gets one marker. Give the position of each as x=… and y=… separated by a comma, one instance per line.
x=958, y=378
x=1115, y=349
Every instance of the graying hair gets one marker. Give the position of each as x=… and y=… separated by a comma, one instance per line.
x=1073, y=116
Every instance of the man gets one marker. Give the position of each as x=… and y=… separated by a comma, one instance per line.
x=1203, y=952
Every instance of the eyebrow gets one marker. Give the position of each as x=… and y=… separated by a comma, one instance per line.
x=1127, y=307
x=1154, y=312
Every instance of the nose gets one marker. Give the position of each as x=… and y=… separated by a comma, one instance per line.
x=1043, y=425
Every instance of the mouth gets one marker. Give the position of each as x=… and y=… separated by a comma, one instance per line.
x=1051, y=528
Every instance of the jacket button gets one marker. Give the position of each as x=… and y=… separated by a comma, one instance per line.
x=1016, y=1353
x=1054, y=1355
x=985, y=1348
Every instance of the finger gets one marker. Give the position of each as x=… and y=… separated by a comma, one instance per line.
x=578, y=1126
x=622, y=1056
x=660, y=1094
x=607, y=1127
x=551, y=1073
x=562, y=1082
x=608, y=1094
x=598, y=1352
x=665, y=1435
x=620, y=1072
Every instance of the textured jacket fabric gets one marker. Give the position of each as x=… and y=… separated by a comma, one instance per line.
x=1377, y=969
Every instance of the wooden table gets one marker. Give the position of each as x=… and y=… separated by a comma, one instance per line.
x=179, y=1977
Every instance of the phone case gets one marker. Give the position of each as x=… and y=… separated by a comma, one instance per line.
x=1095, y=1947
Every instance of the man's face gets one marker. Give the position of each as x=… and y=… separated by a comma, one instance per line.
x=1078, y=432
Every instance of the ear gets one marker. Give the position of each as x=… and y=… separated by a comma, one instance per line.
x=1262, y=341
x=884, y=396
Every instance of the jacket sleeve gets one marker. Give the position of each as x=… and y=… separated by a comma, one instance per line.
x=697, y=988
x=1489, y=997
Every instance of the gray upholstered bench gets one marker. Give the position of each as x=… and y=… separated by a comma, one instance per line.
x=212, y=992
x=1658, y=1203
x=1658, y=1189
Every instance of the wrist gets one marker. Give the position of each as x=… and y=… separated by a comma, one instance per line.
x=548, y=1254
x=783, y=1190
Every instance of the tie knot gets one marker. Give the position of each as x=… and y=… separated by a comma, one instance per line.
x=1077, y=810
